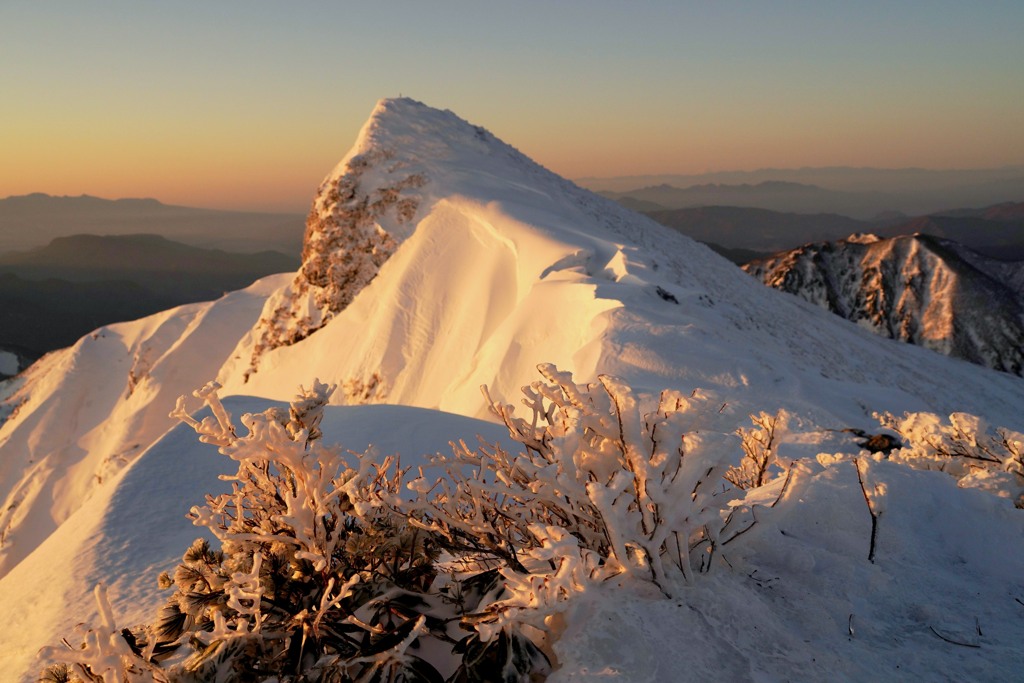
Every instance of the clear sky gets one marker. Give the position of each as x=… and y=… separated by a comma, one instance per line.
x=249, y=104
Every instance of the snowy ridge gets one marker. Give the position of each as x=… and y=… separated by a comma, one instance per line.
x=916, y=288
x=406, y=158
x=538, y=270
x=439, y=259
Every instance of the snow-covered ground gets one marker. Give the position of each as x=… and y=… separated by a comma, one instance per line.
x=803, y=603
x=83, y=412
x=800, y=599
x=441, y=259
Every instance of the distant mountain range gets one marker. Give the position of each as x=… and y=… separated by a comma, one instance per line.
x=858, y=193
x=759, y=230
x=774, y=195
x=153, y=258
x=996, y=231
x=51, y=296
x=920, y=289
x=34, y=220
x=838, y=177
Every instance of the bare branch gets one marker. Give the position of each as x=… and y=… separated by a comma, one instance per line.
x=951, y=641
x=871, y=510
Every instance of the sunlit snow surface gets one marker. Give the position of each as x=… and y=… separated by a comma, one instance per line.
x=802, y=602
x=503, y=266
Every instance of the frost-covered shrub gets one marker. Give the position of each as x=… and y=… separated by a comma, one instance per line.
x=760, y=460
x=315, y=579
x=334, y=567
x=359, y=391
x=105, y=655
x=344, y=247
x=597, y=490
x=312, y=582
x=965, y=447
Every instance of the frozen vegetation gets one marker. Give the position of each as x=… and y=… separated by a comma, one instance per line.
x=630, y=522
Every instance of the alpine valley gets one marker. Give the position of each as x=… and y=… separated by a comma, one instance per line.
x=438, y=259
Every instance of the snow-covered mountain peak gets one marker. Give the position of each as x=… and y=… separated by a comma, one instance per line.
x=407, y=156
x=410, y=132
x=439, y=259
x=916, y=288
x=411, y=162
x=862, y=238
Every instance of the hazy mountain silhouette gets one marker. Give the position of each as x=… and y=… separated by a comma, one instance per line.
x=51, y=296
x=918, y=190
x=43, y=315
x=774, y=195
x=94, y=257
x=33, y=220
x=995, y=231
x=759, y=230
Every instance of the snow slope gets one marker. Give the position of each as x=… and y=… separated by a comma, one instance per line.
x=803, y=603
x=437, y=259
x=82, y=413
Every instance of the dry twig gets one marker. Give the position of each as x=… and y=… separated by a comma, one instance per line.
x=871, y=509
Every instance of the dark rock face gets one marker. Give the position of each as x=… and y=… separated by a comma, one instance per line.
x=916, y=288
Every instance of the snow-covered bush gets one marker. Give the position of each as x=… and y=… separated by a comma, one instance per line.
x=760, y=460
x=344, y=247
x=106, y=654
x=315, y=579
x=312, y=580
x=965, y=447
x=598, y=490
x=335, y=567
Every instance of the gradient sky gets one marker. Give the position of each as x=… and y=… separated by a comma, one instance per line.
x=249, y=104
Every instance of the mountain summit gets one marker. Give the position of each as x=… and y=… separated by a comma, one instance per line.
x=412, y=166
x=438, y=258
